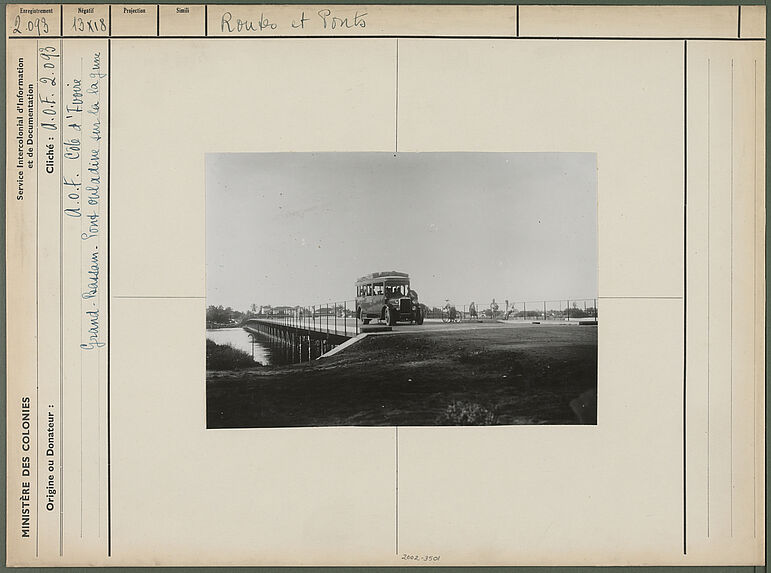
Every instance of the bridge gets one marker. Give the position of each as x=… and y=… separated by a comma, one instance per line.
x=312, y=331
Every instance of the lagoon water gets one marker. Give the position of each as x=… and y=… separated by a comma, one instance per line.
x=239, y=338
x=264, y=351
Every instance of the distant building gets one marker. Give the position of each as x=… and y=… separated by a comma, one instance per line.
x=282, y=310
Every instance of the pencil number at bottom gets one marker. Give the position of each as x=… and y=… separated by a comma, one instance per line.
x=418, y=557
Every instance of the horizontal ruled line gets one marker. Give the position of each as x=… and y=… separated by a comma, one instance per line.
x=643, y=297
x=159, y=296
x=392, y=36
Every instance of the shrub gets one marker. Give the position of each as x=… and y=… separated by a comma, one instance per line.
x=225, y=357
x=460, y=413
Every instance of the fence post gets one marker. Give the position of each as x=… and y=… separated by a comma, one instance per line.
x=524, y=307
x=568, y=310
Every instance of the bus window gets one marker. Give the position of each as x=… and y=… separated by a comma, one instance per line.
x=397, y=290
x=369, y=290
x=378, y=289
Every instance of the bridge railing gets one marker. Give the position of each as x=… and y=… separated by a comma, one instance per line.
x=337, y=317
x=563, y=310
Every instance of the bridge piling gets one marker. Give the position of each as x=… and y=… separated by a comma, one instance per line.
x=305, y=338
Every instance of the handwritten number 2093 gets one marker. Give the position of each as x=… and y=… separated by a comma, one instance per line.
x=38, y=25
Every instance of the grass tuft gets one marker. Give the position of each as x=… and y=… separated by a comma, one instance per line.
x=225, y=357
x=460, y=413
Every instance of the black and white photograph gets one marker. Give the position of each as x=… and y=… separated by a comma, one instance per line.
x=416, y=289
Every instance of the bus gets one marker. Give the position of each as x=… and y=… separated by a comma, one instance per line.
x=387, y=296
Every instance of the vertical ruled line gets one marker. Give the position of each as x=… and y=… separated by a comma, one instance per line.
x=517, y=24
x=754, y=302
x=685, y=287
x=397, y=488
x=61, y=318
x=709, y=266
x=396, y=120
x=731, y=315
x=99, y=449
x=37, y=314
x=739, y=23
x=99, y=391
x=109, y=300
x=80, y=175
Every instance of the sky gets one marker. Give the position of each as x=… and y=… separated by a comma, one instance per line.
x=300, y=228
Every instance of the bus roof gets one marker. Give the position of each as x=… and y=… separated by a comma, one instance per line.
x=383, y=275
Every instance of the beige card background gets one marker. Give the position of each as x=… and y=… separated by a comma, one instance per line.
x=655, y=482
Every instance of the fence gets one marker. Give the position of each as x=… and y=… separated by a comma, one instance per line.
x=340, y=317
x=330, y=317
x=566, y=309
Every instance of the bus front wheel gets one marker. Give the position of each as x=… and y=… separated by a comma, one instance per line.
x=389, y=317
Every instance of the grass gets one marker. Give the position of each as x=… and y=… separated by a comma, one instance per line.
x=460, y=413
x=493, y=375
x=225, y=357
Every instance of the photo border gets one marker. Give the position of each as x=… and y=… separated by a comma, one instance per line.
x=384, y=569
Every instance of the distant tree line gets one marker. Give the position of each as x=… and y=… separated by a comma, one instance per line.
x=223, y=316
